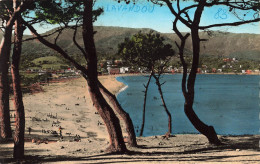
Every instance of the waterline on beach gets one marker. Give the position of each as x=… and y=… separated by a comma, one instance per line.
x=122, y=89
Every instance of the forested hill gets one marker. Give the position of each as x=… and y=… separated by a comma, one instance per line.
x=245, y=46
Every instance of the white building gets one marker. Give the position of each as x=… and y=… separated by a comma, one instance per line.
x=220, y=70
x=124, y=69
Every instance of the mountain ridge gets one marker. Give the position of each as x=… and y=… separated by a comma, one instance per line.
x=107, y=38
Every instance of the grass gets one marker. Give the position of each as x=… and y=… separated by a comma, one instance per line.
x=50, y=62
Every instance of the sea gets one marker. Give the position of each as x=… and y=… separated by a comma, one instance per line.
x=230, y=103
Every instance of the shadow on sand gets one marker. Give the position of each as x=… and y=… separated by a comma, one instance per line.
x=195, y=152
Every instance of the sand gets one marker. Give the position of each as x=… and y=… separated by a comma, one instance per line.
x=68, y=105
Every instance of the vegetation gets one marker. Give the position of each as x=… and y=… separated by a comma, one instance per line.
x=149, y=53
x=183, y=16
x=49, y=63
x=82, y=12
x=8, y=18
x=107, y=39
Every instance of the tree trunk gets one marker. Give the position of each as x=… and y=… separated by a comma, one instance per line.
x=5, y=48
x=164, y=105
x=124, y=115
x=206, y=130
x=144, y=106
x=18, y=100
x=117, y=144
x=105, y=111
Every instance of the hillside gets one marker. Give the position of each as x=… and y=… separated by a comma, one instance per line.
x=220, y=44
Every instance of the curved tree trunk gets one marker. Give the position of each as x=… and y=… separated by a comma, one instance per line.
x=105, y=111
x=144, y=105
x=18, y=99
x=188, y=92
x=89, y=72
x=164, y=105
x=124, y=115
x=206, y=130
x=111, y=121
x=5, y=48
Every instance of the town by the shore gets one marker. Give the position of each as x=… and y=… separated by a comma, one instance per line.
x=66, y=109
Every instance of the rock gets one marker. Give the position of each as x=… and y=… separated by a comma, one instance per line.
x=62, y=147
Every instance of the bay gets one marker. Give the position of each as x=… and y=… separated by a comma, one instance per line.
x=230, y=103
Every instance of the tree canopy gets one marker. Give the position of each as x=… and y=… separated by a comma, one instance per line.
x=145, y=50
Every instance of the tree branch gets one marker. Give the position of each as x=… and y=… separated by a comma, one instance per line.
x=169, y=4
x=181, y=53
x=76, y=43
x=59, y=33
x=43, y=36
x=229, y=24
x=54, y=47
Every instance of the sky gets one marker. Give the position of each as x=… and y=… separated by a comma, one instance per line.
x=145, y=14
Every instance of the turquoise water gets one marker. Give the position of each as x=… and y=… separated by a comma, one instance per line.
x=228, y=102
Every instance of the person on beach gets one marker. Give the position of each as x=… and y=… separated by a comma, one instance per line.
x=29, y=130
x=60, y=131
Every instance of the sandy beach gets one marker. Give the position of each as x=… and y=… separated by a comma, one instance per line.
x=67, y=105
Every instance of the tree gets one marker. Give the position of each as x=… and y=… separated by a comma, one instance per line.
x=8, y=19
x=182, y=15
x=71, y=10
x=82, y=12
x=18, y=152
x=150, y=53
x=18, y=103
x=124, y=115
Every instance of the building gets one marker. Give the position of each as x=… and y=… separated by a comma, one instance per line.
x=113, y=71
x=124, y=69
x=248, y=72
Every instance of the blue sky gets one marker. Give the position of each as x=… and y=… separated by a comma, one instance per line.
x=145, y=14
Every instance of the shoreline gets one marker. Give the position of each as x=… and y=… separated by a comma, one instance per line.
x=123, y=86
x=68, y=104
x=121, y=90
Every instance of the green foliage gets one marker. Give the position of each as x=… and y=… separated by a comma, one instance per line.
x=228, y=45
x=28, y=79
x=56, y=11
x=145, y=50
x=49, y=62
x=3, y=12
x=230, y=66
x=45, y=60
x=62, y=11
